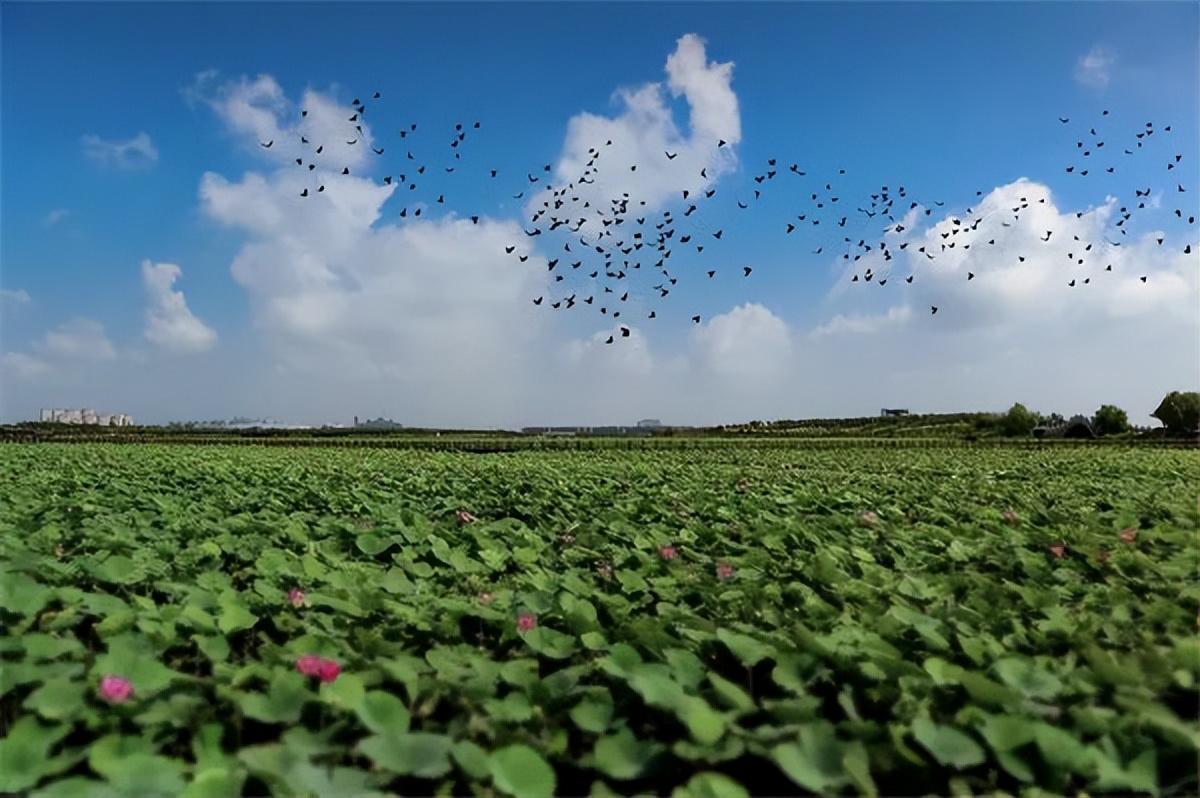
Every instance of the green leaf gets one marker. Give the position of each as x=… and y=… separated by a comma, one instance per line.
x=521, y=771
x=134, y=658
x=283, y=701
x=623, y=756
x=747, y=649
x=220, y=782
x=732, y=695
x=471, y=758
x=25, y=754
x=383, y=713
x=1028, y=677
x=346, y=692
x=131, y=767
x=814, y=761
x=711, y=785
x=948, y=745
x=550, y=642
x=594, y=712
x=233, y=614
x=420, y=754
x=57, y=699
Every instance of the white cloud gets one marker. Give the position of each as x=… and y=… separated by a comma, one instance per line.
x=1094, y=68
x=645, y=130
x=170, y=324
x=78, y=339
x=15, y=296
x=55, y=216
x=748, y=343
x=864, y=323
x=257, y=112
x=133, y=153
x=23, y=366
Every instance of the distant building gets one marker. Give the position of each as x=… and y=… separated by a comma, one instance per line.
x=650, y=423
x=893, y=411
x=86, y=416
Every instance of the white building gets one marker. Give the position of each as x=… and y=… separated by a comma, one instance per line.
x=88, y=416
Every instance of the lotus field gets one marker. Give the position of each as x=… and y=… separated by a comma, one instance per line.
x=216, y=621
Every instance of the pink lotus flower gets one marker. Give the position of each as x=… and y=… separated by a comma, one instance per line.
x=486, y=598
x=667, y=552
x=1059, y=550
x=724, y=571
x=464, y=517
x=526, y=621
x=296, y=597
x=1128, y=535
x=324, y=669
x=116, y=689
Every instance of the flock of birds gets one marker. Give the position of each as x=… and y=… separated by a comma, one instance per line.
x=613, y=251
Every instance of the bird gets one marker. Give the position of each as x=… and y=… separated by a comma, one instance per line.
x=933, y=310
x=671, y=155
x=266, y=146
x=378, y=151
x=696, y=319
x=746, y=271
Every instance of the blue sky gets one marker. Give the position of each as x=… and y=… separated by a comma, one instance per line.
x=945, y=99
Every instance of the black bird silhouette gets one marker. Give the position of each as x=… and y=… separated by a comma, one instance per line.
x=696, y=319
x=624, y=332
x=304, y=193
x=267, y=145
x=933, y=310
x=1063, y=119
x=346, y=170
x=746, y=271
x=377, y=151
x=671, y=155
x=537, y=301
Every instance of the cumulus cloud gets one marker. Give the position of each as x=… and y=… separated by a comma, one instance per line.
x=1093, y=69
x=170, y=324
x=644, y=130
x=863, y=322
x=748, y=343
x=256, y=111
x=135, y=153
x=14, y=296
x=427, y=311
x=79, y=339
x=23, y=366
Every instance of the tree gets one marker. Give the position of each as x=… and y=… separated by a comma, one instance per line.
x=1017, y=421
x=1179, y=412
x=1110, y=420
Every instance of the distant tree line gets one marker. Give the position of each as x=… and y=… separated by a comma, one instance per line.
x=1179, y=413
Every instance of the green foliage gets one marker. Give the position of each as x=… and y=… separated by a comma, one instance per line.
x=1110, y=420
x=1018, y=422
x=1179, y=411
x=936, y=648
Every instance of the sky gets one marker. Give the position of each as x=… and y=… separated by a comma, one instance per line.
x=156, y=260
